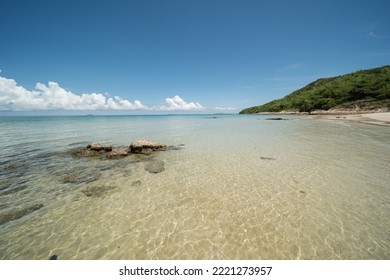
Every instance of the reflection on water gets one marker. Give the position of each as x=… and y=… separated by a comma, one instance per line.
x=241, y=187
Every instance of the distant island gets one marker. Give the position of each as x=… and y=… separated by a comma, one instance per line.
x=365, y=90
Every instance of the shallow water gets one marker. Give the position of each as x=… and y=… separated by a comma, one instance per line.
x=240, y=187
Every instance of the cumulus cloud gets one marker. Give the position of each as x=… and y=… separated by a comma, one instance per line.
x=52, y=96
x=178, y=104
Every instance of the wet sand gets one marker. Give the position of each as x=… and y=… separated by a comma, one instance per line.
x=368, y=118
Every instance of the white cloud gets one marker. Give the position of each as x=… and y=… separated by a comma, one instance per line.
x=177, y=103
x=52, y=96
x=225, y=109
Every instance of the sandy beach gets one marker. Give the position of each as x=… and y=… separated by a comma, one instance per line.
x=369, y=118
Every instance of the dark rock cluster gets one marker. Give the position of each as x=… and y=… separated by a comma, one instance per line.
x=144, y=147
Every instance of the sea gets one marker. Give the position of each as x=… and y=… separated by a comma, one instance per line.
x=231, y=187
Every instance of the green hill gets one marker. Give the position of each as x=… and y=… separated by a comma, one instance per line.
x=369, y=89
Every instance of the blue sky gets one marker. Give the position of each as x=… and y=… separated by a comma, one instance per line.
x=189, y=55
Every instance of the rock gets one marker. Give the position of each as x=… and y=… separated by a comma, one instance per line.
x=81, y=177
x=92, y=150
x=17, y=169
x=173, y=148
x=54, y=257
x=83, y=152
x=4, y=218
x=276, y=119
x=97, y=191
x=267, y=158
x=10, y=167
x=136, y=183
x=302, y=193
x=105, y=167
x=142, y=157
x=99, y=147
x=155, y=166
x=145, y=147
x=118, y=153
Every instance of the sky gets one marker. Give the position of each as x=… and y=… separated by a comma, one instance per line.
x=197, y=56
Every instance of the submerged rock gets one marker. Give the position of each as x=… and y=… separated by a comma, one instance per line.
x=10, y=167
x=81, y=177
x=4, y=218
x=267, y=158
x=174, y=148
x=276, y=119
x=105, y=167
x=136, y=183
x=120, y=152
x=142, y=157
x=97, y=191
x=155, y=166
x=16, y=169
x=146, y=147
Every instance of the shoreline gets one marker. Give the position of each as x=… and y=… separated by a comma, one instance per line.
x=382, y=118
x=378, y=117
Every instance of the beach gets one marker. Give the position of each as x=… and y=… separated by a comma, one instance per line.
x=382, y=118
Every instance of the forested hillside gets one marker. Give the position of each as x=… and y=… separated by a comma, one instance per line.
x=370, y=88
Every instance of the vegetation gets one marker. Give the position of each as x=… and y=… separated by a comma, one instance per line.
x=369, y=89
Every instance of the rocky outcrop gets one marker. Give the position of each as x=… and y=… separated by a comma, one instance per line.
x=98, y=147
x=118, y=153
x=92, y=150
x=145, y=147
x=140, y=151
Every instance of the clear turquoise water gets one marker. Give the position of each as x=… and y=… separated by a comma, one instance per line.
x=241, y=187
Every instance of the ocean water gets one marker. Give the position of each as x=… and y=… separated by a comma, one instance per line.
x=236, y=187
